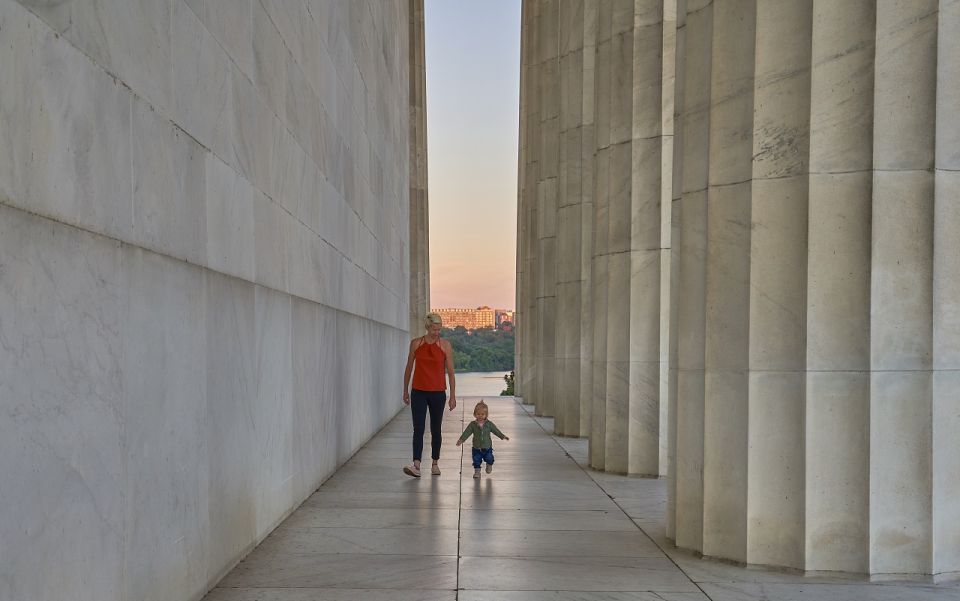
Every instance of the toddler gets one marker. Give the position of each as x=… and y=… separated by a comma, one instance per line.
x=481, y=428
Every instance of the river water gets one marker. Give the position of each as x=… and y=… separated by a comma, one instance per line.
x=481, y=383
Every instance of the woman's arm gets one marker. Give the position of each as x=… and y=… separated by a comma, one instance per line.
x=448, y=351
x=407, y=372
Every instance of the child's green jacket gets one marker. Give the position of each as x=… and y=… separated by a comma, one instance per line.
x=481, y=436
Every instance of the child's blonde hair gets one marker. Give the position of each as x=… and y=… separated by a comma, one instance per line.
x=481, y=406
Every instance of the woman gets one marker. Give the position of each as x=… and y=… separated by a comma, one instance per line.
x=432, y=357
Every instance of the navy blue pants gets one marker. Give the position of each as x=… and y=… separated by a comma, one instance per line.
x=482, y=455
x=420, y=402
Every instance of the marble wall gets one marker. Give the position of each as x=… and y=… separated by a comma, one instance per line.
x=419, y=210
x=205, y=276
x=807, y=305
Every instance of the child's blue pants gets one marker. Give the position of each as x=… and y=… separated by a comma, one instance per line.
x=482, y=455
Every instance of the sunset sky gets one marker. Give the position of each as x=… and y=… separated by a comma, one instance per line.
x=473, y=95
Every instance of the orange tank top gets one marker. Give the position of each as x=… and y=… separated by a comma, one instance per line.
x=428, y=371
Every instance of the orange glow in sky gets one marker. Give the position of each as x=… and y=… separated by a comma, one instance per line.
x=473, y=96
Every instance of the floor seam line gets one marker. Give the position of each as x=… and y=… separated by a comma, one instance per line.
x=657, y=545
x=604, y=491
x=456, y=590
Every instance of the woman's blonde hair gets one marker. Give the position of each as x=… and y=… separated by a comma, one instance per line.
x=432, y=319
x=481, y=405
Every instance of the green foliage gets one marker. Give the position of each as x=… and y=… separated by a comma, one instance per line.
x=509, y=380
x=480, y=350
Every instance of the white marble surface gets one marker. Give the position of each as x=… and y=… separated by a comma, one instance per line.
x=948, y=74
x=229, y=220
x=169, y=189
x=167, y=463
x=778, y=292
x=201, y=207
x=901, y=472
x=513, y=559
x=838, y=281
x=320, y=594
x=807, y=267
x=837, y=467
x=62, y=411
x=365, y=539
x=842, y=58
x=905, y=89
x=201, y=80
x=328, y=168
x=902, y=271
x=130, y=39
x=231, y=389
x=229, y=21
x=776, y=488
x=66, y=136
x=196, y=370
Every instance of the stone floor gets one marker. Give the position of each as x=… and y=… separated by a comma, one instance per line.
x=541, y=527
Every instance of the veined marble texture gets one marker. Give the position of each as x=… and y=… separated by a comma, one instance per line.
x=788, y=325
x=126, y=152
x=167, y=414
x=205, y=304
x=63, y=411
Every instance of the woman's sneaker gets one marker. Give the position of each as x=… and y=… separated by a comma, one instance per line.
x=411, y=470
x=435, y=470
x=476, y=473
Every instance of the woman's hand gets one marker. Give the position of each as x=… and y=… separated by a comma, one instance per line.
x=406, y=397
x=453, y=402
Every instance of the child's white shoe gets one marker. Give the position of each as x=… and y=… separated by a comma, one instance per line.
x=489, y=467
x=476, y=473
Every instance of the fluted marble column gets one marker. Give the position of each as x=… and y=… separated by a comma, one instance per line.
x=596, y=151
x=838, y=287
x=520, y=311
x=946, y=295
x=777, y=289
x=547, y=199
x=625, y=301
x=901, y=334
x=816, y=294
x=729, y=151
x=648, y=175
x=813, y=269
x=419, y=214
x=668, y=76
x=601, y=225
x=570, y=218
x=676, y=198
x=588, y=145
x=632, y=443
x=694, y=34
x=619, y=147
x=527, y=325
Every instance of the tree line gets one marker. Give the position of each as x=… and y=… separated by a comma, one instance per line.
x=484, y=349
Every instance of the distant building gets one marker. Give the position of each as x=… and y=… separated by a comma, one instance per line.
x=503, y=316
x=471, y=319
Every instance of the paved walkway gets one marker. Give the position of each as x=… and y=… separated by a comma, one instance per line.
x=541, y=527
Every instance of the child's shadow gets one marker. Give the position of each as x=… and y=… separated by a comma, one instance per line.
x=483, y=487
